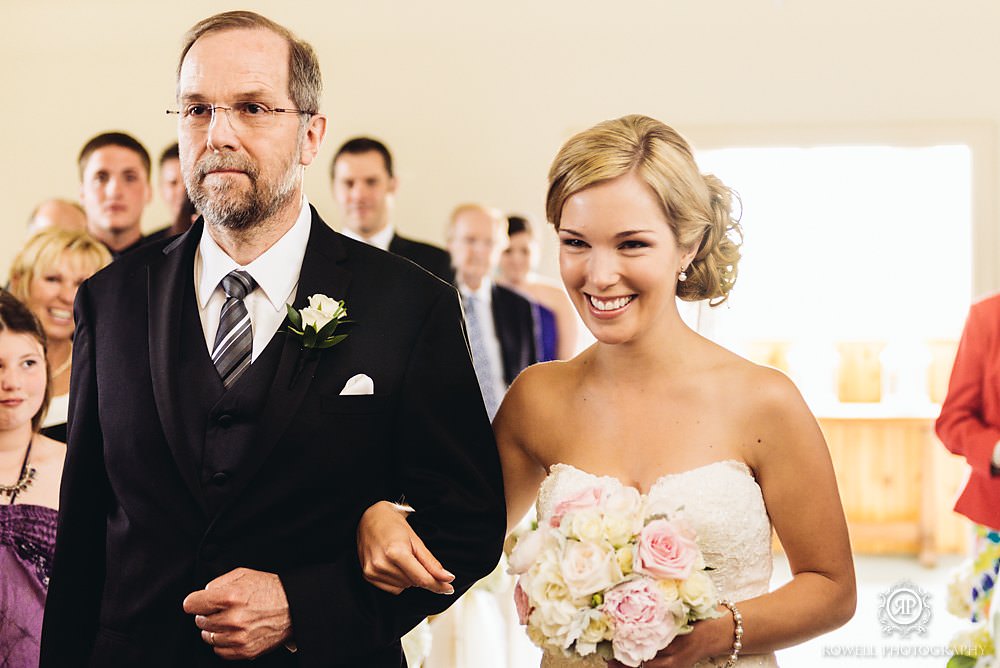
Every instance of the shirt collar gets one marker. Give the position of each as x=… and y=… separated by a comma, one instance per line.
x=271, y=269
x=380, y=239
x=483, y=294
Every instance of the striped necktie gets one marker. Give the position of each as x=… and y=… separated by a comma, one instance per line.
x=234, y=340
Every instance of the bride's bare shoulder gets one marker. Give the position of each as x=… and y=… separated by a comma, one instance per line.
x=541, y=390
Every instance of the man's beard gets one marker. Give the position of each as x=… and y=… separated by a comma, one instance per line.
x=228, y=205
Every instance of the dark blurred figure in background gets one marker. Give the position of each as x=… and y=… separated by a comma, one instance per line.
x=516, y=271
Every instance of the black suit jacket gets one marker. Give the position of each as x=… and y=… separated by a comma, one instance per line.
x=143, y=523
x=515, y=329
x=433, y=259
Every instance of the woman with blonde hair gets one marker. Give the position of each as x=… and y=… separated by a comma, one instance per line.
x=45, y=276
x=655, y=407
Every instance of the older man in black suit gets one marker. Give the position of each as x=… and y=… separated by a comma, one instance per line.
x=217, y=464
x=364, y=184
x=500, y=322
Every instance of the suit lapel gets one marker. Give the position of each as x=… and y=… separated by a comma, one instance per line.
x=322, y=273
x=169, y=278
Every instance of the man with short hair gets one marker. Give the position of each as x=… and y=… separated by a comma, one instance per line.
x=60, y=213
x=170, y=180
x=114, y=189
x=173, y=194
x=364, y=185
x=218, y=460
x=500, y=321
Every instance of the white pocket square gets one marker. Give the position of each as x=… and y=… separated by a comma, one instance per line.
x=359, y=384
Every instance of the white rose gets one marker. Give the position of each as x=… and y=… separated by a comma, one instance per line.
x=589, y=567
x=525, y=551
x=544, y=581
x=624, y=501
x=699, y=593
x=324, y=303
x=315, y=318
x=586, y=525
x=598, y=629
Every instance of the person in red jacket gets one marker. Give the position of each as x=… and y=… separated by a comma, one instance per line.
x=969, y=425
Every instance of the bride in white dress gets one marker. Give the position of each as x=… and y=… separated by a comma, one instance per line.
x=655, y=406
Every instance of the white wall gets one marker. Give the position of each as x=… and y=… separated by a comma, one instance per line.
x=475, y=98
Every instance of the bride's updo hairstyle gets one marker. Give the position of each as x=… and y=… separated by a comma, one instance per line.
x=697, y=207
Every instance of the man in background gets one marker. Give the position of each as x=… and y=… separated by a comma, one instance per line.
x=173, y=194
x=500, y=322
x=115, y=189
x=364, y=185
x=170, y=182
x=60, y=213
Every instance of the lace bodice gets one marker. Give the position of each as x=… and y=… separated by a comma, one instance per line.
x=722, y=503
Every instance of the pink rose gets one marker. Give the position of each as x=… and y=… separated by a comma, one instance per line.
x=664, y=552
x=643, y=624
x=590, y=497
x=522, y=604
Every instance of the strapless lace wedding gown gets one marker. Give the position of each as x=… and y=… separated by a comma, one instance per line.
x=723, y=504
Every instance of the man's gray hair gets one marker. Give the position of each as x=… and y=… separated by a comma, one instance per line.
x=305, y=83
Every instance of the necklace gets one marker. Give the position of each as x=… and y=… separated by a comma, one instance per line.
x=65, y=365
x=24, y=480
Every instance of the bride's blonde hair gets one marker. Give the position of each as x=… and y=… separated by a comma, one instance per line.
x=697, y=207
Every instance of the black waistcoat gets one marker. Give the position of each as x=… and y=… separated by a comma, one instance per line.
x=230, y=417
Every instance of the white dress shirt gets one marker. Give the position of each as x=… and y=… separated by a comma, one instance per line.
x=380, y=239
x=276, y=271
x=484, y=304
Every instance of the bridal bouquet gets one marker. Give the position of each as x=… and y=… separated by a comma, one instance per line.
x=607, y=574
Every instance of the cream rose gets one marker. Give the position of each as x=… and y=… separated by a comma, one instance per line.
x=699, y=593
x=588, y=567
x=586, y=524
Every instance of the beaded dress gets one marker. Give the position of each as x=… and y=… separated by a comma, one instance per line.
x=27, y=541
x=723, y=504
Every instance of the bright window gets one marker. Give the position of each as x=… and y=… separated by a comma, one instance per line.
x=847, y=243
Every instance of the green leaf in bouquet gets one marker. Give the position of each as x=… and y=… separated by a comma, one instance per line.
x=295, y=318
x=309, y=338
x=332, y=341
x=961, y=661
x=327, y=330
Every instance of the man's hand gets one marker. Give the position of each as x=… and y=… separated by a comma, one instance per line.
x=242, y=614
x=393, y=557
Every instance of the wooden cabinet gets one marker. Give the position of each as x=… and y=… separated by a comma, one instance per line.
x=897, y=482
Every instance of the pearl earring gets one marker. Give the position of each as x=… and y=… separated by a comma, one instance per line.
x=682, y=276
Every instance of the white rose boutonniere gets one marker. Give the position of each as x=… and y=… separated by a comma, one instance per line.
x=316, y=325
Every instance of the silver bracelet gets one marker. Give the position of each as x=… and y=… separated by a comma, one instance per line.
x=737, y=633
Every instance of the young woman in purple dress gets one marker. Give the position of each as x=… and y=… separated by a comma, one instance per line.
x=30, y=470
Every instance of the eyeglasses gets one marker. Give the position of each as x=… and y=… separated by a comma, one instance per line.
x=252, y=115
